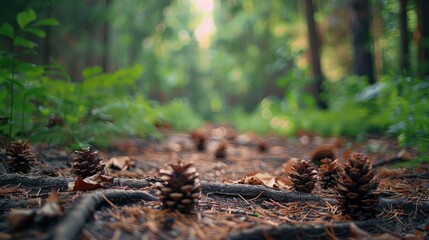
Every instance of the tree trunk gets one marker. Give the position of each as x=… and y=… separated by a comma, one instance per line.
x=315, y=87
x=423, y=39
x=378, y=50
x=105, y=41
x=362, y=55
x=404, y=54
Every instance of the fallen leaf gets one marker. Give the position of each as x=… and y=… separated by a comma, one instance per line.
x=119, y=163
x=287, y=166
x=91, y=183
x=52, y=207
x=85, y=184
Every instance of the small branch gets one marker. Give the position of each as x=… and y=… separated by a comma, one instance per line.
x=70, y=227
x=287, y=231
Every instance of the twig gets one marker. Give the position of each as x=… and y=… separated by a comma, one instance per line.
x=74, y=222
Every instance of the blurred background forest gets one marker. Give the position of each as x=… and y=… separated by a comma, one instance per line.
x=83, y=71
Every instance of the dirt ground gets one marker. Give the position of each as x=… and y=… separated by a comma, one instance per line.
x=226, y=210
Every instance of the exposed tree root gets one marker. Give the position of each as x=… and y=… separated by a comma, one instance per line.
x=287, y=231
x=60, y=183
x=244, y=190
x=253, y=191
x=70, y=227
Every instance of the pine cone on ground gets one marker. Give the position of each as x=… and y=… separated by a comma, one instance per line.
x=356, y=188
x=322, y=153
x=220, y=152
x=262, y=146
x=20, y=156
x=200, y=138
x=304, y=176
x=328, y=173
x=181, y=189
x=87, y=163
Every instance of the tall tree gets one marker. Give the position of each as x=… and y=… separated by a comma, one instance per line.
x=315, y=87
x=404, y=50
x=423, y=33
x=361, y=39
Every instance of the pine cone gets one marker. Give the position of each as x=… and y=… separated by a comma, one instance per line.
x=328, y=173
x=262, y=146
x=220, y=152
x=200, y=138
x=87, y=163
x=356, y=188
x=304, y=176
x=322, y=153
x=181, y=189
x=20, y=155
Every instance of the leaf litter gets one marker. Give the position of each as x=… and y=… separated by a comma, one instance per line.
x=217, y=216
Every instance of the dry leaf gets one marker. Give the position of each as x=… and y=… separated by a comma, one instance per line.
x=91, y=183
x=52, y=207
x=120, y=163
x=85, y=184
x=257, y=178
x=287, y=166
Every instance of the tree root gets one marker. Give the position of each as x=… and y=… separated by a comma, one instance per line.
x=244, y=190
x=61, y=183
x=287, y=231
x=70, y=227
x=253, y=191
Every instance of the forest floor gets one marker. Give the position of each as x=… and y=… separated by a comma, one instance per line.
x=129, y=209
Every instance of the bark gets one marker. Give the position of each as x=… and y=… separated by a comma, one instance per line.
x=378, y=50
x=403, y=29
x=423, y=36
x=361, y=40
x=105, y=41
x=315, y=88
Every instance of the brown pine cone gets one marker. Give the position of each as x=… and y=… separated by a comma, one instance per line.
x=200, y=138
x=87, y=163
x=181, y=189
x=356, y=188
x=304, y=176
x=322, y=153
x=328, y=173
x=20, y=156
x=220, y=152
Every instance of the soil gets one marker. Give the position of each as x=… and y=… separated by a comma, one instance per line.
x=129, y=209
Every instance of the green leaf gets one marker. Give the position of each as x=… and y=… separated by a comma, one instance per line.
x=7, y=30
x=19, y=41
x=91, y=71
x=38, y=32
x=47, y=22
x=24, y=18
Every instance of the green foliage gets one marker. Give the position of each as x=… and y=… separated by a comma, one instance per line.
x=20, y=81
x=179, y=113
